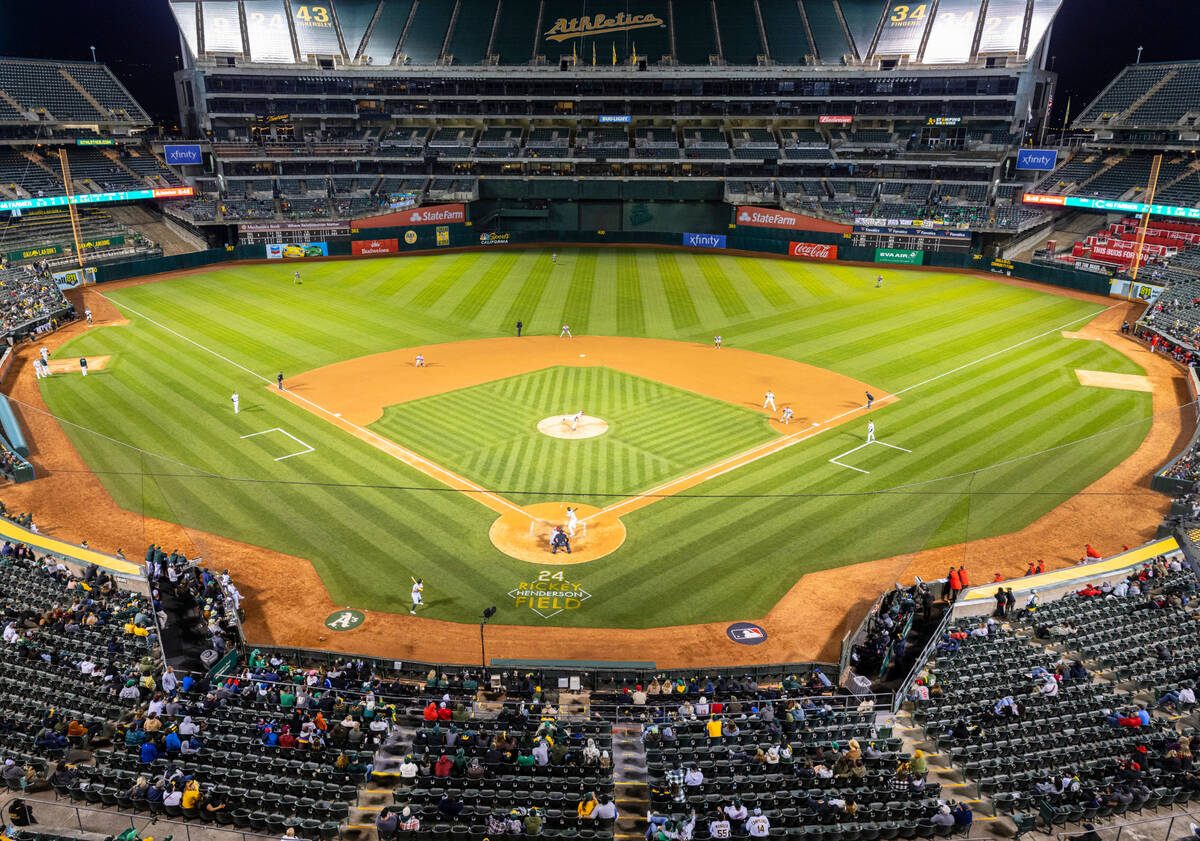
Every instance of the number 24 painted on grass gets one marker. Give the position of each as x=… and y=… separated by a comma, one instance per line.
x=545, y=575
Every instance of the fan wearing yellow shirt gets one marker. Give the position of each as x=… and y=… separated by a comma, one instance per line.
x=713, y=726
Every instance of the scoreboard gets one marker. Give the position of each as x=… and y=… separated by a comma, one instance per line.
x=910, y=237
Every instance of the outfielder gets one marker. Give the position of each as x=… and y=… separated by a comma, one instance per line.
x=416, y=594
x=572, y=520
x=420, y=360
x=787, y=416
x=870, y=432
x=769, y=400
x=879, y=282
x=566, y=331
x=717, y=341
x=554, y=258
x=296, y=278
x=234, y=398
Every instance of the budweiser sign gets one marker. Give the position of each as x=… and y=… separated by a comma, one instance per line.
x=812, y=250
x=765, y=217
x=375, y=246
x=835, y=118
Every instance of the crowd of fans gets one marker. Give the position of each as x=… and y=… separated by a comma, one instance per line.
x=30, y=298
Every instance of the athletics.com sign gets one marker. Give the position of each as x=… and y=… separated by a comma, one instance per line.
x=765, y=217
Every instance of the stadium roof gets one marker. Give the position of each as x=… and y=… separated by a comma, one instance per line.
x=604, y=33
x=65, y=92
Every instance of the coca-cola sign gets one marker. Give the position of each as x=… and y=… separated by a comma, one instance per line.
x=812, y=250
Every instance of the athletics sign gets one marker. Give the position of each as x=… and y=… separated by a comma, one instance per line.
x=599, y=24
x=549, y=594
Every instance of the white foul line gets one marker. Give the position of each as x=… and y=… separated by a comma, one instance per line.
x=384, y=441
x=307, y=449
x=834, y=460
x=763, y=450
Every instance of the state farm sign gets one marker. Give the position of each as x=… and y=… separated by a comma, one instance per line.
x=812, y=250
x=765, y=217
x=436, y=214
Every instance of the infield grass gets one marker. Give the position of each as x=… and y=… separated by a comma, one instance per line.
x=983, y=438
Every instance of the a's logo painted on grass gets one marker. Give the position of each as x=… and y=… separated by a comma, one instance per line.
x=345, y=620
x=746, y=633
x=549, y=594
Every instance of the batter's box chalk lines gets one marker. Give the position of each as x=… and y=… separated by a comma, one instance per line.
x=307, y=449
x=834, y=460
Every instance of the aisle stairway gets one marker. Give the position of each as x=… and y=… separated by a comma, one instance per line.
x=629, y=774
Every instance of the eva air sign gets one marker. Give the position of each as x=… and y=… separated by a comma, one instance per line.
x=899, y=255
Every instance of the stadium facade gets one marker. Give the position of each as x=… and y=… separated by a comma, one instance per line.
x=572, y=115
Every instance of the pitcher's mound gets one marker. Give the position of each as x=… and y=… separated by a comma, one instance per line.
x=525, y=534
x=559, y=426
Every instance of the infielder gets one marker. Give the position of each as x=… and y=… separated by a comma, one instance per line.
x=787, y=416
x=769, y=400
x=82, y=365
x=87, y=313
x=566, y=331
x=572, y=520
x=234, y=398
x=870, y=399
x=279, y=380
x=45, y=354
x=420, y=360
x=37, y=368
x=870, y=432
x=717, y=341
x=416, y=595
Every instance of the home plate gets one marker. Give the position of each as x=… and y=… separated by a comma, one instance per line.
x=582, y=355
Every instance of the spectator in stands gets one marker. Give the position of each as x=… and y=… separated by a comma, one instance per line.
x=605, y=809
x=1173, y=699
x=942, y=817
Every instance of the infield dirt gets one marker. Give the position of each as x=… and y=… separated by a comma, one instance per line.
x=286, y=601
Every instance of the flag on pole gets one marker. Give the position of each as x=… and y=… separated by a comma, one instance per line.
x=593, y=54
x=635, y=53
x=574, y=56
x=614, y=53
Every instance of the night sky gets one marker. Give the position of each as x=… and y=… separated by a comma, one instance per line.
x=1092, y=40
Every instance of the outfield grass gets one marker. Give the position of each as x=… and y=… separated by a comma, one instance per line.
x=488, y=433
x=729, y=549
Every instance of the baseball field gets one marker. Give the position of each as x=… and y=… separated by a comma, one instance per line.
x=695, y=504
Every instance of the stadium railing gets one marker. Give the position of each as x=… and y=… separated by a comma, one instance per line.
x=111, y=823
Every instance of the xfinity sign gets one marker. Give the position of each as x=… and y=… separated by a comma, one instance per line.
x=183, y=155
x=704, y=240
x=1040, y=159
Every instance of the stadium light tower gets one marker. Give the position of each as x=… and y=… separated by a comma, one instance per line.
x=1139, y=58
x=93, y=49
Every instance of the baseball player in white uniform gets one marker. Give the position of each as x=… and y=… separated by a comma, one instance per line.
x=575, y=418
x=45, y=354
x=234, y=398
x=572, y=520
x=769, y=400
x=87, y=313
x=717, y=341
x=37, y=368
x=420, y=360
x=417, y=587
x=870, y=432
x=554, y=258
x=787, y=416
x=566, y=331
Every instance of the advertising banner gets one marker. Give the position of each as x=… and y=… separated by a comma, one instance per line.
x=901, y=231
x=95, y=198
x=837, y=119
x=443, y=235
x=704, y=240
x=812, y=250
x=493, y=239
x=260, y=227
x=1095, y=268
x=188, y=155
x=1040, y=159
x=766, y=217
x=34, y=253
x=906, y=256
x=293, y=250
x=1106, y=205
x=434, y=214
x=375, y=246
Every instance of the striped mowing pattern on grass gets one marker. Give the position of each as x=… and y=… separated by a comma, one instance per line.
x=488, y=433
x=731, y=552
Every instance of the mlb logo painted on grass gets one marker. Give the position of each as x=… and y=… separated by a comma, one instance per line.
x=746, y=633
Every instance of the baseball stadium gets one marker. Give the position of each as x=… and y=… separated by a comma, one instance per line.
x=387, y=435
